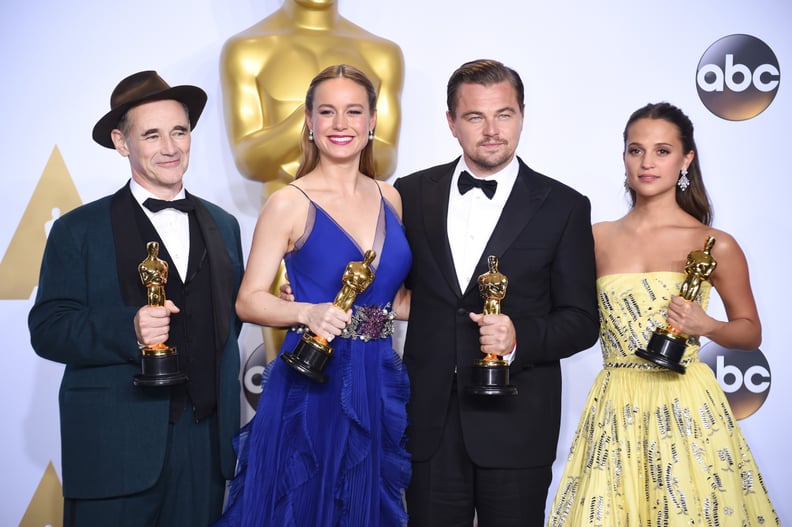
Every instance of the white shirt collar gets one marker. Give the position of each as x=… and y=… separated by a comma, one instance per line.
x=505, y=178
x=141, y=194
x=173, y=227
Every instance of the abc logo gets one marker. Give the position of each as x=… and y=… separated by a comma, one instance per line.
x=252, y=375
x=743, y=376
x=738, y=77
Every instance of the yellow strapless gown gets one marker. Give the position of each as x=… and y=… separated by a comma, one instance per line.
x=655, y=448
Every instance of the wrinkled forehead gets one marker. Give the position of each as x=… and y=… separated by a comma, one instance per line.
x=162, y=114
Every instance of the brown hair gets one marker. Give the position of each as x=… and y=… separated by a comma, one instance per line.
x=484, y=72
x=694, y=200
x=310, y=151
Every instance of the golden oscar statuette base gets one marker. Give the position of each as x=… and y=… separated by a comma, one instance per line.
x=159, y=367
x=667, y=345
x=312, y=353
x=159, y=363
x=491, y=374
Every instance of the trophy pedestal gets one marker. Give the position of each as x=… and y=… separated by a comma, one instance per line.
x=665, y=349
x=160, y=370
x=310, y=357
x=491, y=377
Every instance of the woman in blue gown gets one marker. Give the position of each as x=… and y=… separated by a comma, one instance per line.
x=328, y=454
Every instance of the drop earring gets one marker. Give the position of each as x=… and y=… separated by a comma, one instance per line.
x=683, y=182
x=310, y=135
x=371, y=135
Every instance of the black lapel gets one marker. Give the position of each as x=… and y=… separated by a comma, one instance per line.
x=522, y=204
x=130, y=239
x=198, y=254
x=434, y=202
x=221, y=271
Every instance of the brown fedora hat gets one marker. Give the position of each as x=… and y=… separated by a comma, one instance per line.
x=145, y=86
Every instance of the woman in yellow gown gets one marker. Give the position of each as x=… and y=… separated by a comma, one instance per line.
x=656, y=448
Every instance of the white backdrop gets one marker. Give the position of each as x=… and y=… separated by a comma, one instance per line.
x=586, y=66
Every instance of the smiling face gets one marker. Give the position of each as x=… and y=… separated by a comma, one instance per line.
x=341, y=119
x=156, y=139
x=487, y=122
x=654, y=156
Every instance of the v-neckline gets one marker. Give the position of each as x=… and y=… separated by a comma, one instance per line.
x=380, y=227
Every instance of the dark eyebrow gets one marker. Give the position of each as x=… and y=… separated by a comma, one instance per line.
x=635, y=143
x=498, y=111
x=177, y=128
x=348, y=106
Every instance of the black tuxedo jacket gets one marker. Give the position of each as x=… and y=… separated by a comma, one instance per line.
x=545, y=248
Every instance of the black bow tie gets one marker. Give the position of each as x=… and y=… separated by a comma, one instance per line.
x=156, y=205
x=467, y=182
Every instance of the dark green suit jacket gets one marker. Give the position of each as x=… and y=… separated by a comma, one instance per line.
x=113, y=434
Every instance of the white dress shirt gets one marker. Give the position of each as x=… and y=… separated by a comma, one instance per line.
x=472, y=218
x=172, y=225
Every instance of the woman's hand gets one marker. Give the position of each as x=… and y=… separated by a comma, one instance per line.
x=326, y=320
x=689, y=318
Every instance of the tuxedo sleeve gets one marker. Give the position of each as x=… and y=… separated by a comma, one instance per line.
x=572, y=323
x=78, y=317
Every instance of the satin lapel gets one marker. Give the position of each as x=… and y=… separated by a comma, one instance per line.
x=434, y=200
x=523, y=203
x=130, y=246
x=222, y=273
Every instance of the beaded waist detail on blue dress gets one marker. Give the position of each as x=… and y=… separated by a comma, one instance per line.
x=370, y=322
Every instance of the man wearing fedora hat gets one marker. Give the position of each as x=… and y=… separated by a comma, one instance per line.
x=144, y=455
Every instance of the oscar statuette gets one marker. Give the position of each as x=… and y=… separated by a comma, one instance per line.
x=312, y=353
x=491, y=374
x=159, y=363
x=667, y=345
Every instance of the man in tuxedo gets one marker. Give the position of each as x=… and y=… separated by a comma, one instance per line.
x=155, y=452
x=490, y=455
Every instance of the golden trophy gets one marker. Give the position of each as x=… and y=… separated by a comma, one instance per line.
x=312, y=353
x=160, y=362
x=491, y=374
x=667, y=345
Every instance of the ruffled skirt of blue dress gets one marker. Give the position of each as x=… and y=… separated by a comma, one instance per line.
x=326, y=454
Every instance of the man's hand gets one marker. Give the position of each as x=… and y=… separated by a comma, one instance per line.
x=152, y=323
x=496, y=333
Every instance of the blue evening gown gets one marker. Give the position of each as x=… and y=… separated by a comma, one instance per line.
x=322, y=455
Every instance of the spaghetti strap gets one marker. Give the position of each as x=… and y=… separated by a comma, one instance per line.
x=310, y=220
x=379, y=236
x=379, y=188
x=303, y=192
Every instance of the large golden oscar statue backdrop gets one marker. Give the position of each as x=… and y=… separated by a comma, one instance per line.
x=265, y=71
